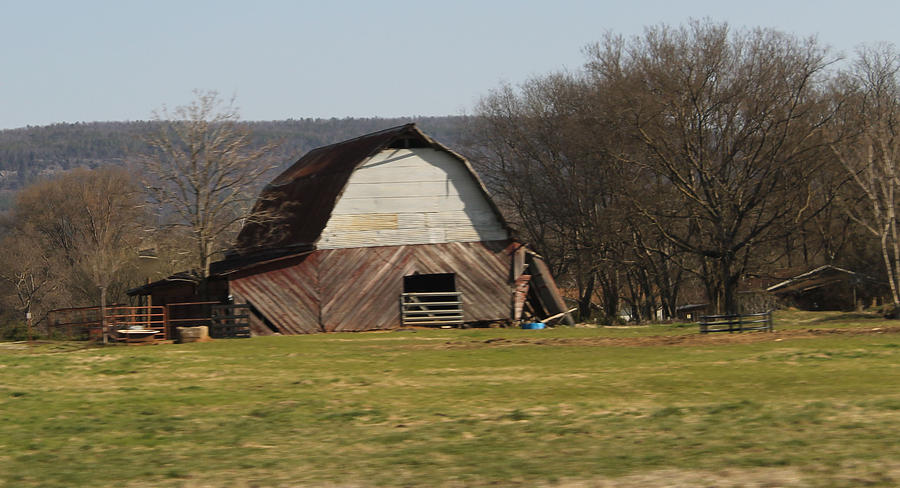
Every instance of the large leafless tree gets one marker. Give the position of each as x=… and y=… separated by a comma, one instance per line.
x=554, y=175
x=688, y=150
x=730, y=125
x=203, y=171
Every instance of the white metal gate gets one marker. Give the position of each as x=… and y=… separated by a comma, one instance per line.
x=431, y=308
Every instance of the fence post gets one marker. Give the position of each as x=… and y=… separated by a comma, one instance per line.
x=103, y=315
x=170, y=328
x=167, y=334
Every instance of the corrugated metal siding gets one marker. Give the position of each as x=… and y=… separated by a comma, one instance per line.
x=380, y=238
x=408, y=197
x=359, y=222
x=286, y=293
x=359, y=289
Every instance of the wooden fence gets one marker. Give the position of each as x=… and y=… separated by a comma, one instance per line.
x=150, y=323
x=736, y=323
x=87, y=322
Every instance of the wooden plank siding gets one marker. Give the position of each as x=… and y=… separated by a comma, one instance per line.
x=359, y=289
x=286, y=293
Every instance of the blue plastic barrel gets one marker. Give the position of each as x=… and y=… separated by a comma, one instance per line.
x=534, y=325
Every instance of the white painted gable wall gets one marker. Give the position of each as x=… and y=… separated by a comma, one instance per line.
x=410, y=196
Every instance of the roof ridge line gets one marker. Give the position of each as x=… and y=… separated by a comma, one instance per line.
x=370, y=134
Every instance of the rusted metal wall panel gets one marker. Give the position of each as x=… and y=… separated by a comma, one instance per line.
x=285, y=292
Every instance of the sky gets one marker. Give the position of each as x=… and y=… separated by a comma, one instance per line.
x=93, y=60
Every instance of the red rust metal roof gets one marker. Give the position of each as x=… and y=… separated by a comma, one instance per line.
x=294, y=208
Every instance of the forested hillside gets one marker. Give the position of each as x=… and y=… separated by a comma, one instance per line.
x=29, y=153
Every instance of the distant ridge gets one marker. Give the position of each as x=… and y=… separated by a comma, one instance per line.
x=29, y=153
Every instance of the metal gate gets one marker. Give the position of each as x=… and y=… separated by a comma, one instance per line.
x=231, y=320
x=431, y=308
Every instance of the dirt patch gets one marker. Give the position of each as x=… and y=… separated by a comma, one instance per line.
x=848, y=474
x=675, y=478
x=675, y=340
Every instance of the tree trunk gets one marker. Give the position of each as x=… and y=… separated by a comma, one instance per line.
x=892, y=277
x=728, y=283
x=584, y=299
x=648, y=297
x=610, y=294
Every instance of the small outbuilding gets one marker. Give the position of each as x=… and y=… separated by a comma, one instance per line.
x=179, y=288
x=828, y=288
x=381, y=231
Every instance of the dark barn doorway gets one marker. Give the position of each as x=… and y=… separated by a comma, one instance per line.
x=431, y=299
x=427, y=283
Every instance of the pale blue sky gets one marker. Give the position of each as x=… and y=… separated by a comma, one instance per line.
x=89, y=60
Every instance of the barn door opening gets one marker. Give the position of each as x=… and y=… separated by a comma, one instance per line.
x=431, y=299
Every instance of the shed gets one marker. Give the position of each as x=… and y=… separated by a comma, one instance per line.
x=337, y=239
x=178, y=288
x=691, y=311
x=828, y=288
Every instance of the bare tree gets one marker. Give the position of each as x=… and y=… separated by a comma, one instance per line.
x=84, y=227
x=203, y=171
x=868, y=148
x=551, y=150
x=542, y=150
x=27, y=269
x=729, y=123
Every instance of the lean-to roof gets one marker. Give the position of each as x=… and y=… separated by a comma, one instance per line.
x=817, y=278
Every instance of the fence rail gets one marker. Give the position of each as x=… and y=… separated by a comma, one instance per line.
x=736, y=323
x=431, y=308
x=150, y=323
x=87, y=322
x=189, y=314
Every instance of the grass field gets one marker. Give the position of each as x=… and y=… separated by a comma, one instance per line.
x=815, y=404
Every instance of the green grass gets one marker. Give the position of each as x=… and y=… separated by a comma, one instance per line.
x=459, y=408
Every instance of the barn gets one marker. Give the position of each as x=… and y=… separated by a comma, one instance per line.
x=377, y=232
